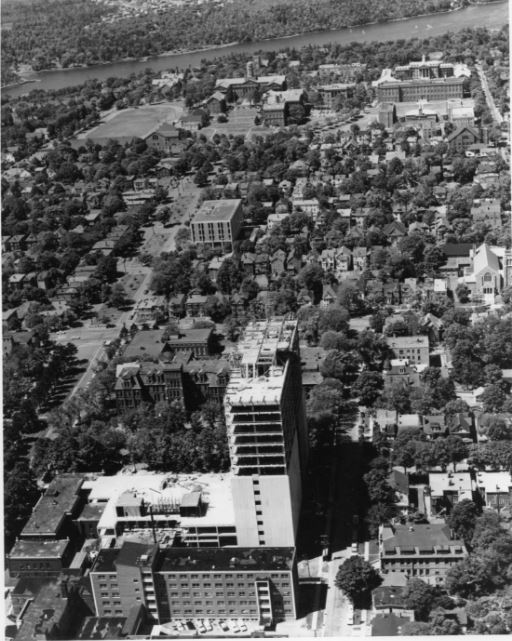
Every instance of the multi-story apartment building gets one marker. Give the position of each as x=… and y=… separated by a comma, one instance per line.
x=415, y=349
x=426, y=551
x=252, y=584
x=265, y=421
x=217, y=224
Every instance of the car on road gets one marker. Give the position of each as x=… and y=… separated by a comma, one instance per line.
x=224, y=626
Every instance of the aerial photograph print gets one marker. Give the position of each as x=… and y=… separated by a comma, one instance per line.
x=257, y=319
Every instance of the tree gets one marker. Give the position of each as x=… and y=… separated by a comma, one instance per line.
x=327, y=396
x=368, y=387
x=494, y=396
x=229, y=276
x=416, y=629
x=396, y=396
x=469, y=578
x=378, y=487
x=333, y=318
x=340, y=365
x=419, y=596
x=462, y=519
x=310, y=277
x=357, y=578
x=117, y=296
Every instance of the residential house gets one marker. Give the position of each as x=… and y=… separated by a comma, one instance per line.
x=401, y=370
x=415, y=349
x=195, y=305
x=495, y=489
x=462, y=425
x=446, y=489
x=165, y=138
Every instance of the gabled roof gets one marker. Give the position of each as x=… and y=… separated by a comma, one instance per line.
x=457, y=132
x=485, y=258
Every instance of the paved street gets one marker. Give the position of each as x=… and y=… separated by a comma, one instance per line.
x=488, y=95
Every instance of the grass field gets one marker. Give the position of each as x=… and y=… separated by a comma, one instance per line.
x=135, y=122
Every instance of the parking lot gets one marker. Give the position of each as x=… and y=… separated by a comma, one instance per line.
x=205, y=627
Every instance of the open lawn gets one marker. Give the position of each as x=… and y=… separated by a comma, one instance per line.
x=134, y=122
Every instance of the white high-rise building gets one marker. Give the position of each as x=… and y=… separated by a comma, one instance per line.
x=266, y=427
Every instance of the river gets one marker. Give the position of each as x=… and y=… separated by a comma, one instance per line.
x=493, y=16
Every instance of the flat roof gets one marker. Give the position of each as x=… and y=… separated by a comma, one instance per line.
x=227, y=559
x=189, y=559
x=59, y=499
x=259, y=390
x=404, y=342
x=441, y=482
x=221, y=210
x=491, y=481
x=42, y=549
x=166, y=488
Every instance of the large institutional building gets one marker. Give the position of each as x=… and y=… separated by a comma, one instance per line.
x=422, y=80
x=217, y=224
x=267, y=434
x=171, y=546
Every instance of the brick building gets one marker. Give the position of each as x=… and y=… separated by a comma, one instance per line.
x=425, y=551
x=247, y=583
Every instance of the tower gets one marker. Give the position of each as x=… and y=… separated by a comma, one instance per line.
x=266, y=427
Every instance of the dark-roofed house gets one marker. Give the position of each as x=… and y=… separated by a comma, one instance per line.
x=462, y=138
x=388, y=625
x=165, y=138
x=391, y=598
x=258, y=584
x=426, y=551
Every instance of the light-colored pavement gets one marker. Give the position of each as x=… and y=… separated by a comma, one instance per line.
x=488, y=95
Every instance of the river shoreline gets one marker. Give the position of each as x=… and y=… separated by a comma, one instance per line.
x=209, y=48
x=492, y=15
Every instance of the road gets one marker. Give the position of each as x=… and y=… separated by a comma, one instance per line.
x=488, y=95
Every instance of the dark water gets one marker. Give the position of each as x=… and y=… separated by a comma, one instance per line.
x=491, y=16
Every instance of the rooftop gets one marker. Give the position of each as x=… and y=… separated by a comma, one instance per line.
x=420, y=537
x=45, y=611
x=59, y=499
x=217, y=210
x=29, y=549
x=407, y=342
x=163, y=490
x=494, y=481
x=179, y=559
x=460, y=482
x=227, y=559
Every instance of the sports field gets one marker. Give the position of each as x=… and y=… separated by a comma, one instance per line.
x=135, y=122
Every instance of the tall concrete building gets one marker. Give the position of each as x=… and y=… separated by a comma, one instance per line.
x=266, y=426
